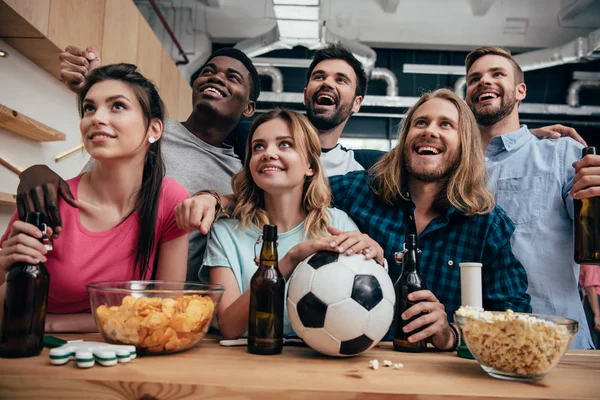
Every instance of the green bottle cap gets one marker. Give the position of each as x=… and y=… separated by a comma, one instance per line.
x=463, y=351
x=588, y=150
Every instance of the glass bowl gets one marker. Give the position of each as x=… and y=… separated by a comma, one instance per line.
x=516, y=346
x=157, y=317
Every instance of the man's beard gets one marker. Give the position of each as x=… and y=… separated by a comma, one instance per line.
x=442, y=173
x=324, y=122
x=487, y=116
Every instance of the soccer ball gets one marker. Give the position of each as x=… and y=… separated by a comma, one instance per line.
x=340, y=305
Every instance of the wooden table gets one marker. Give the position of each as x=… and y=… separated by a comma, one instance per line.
x=211, y=371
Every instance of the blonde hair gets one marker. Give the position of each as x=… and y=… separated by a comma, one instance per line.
x=495, y=51
x=466, y=188
x=316, y=195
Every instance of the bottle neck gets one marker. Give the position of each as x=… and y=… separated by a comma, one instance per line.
x=410, y=261
x=268, y=254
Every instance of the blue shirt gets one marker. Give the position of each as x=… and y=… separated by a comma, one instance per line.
x=447, y=240
x=232, y=246
x=531, y=179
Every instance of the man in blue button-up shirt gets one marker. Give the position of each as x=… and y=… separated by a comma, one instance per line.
x=531, y=180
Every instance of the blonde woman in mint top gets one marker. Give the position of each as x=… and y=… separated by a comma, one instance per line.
x=282, y=183
x=124, y=227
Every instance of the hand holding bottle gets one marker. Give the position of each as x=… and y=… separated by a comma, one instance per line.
x=22, y=245
x=586, y=182
x=433, y=320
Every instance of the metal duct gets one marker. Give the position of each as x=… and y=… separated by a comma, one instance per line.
x=583, y=48
x=363, y=53
x=579, y=14
x=299, y=25
x=576, y=87
x=405, y=102
x=202, y=50
x=281, y=62
x=276, y=77
x=389, y=77
x=460, y=87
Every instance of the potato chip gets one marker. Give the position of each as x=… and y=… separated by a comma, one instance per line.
x=155, y=323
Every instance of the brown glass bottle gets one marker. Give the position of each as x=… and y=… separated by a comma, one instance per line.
x=267, y=296
x=409, y=282
x=587, y=225
x=24, y=315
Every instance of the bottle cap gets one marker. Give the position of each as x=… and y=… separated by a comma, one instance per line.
x=270, y=232
x=470, y=264
x=588, y=150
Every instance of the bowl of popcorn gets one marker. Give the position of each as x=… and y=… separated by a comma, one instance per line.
x=155, y=316
x=515, y=346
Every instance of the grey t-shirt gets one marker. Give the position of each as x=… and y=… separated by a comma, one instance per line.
x=197, y=165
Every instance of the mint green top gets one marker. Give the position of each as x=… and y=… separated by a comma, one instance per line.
x=232, y=246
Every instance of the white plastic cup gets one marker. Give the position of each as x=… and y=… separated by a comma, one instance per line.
x=470, y=284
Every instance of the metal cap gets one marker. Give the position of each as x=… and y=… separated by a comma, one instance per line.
x=36, y=218
x=270, y=232
x=588, y=150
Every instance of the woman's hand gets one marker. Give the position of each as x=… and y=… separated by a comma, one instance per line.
x=301, y=251
x=349, y=243
x=355, y=242
x=22, y=245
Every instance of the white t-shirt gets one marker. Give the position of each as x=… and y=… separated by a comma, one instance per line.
x=339, y=161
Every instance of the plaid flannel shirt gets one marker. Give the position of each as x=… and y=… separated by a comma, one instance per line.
x=447, y=240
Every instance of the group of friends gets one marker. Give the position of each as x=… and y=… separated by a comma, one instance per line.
x=472, y=182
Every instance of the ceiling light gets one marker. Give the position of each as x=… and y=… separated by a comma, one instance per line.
x=296, y=2
x=298, y=29
x=3, y=53
x=297, y=13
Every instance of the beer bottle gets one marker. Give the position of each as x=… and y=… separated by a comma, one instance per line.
x=24, y=315
x=587, y=225
x=409, y=282
x=267, y=295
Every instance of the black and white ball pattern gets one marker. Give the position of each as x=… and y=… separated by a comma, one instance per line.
x=340, y=305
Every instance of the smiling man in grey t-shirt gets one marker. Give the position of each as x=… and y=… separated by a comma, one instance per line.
x=224, y=93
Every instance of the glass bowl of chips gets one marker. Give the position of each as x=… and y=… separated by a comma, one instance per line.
x=515, y=346
x=157, y=317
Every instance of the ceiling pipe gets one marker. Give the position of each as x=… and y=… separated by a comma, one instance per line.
x=162, y=18
x=460, y=87
x=405, y=102
x=583, y=48
x=299, y=25
x=275, y=75
x=281, y=62
x=576, y=87
x=390, y=79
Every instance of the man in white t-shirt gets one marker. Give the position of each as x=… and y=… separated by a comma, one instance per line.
x=336, y=86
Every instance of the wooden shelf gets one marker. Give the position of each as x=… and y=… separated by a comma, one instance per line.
x=28, y=127
x=8, y=199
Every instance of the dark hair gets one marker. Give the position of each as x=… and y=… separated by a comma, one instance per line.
x=239, y=55
x=339, y=52
x=495, y=51
x=154, y=167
